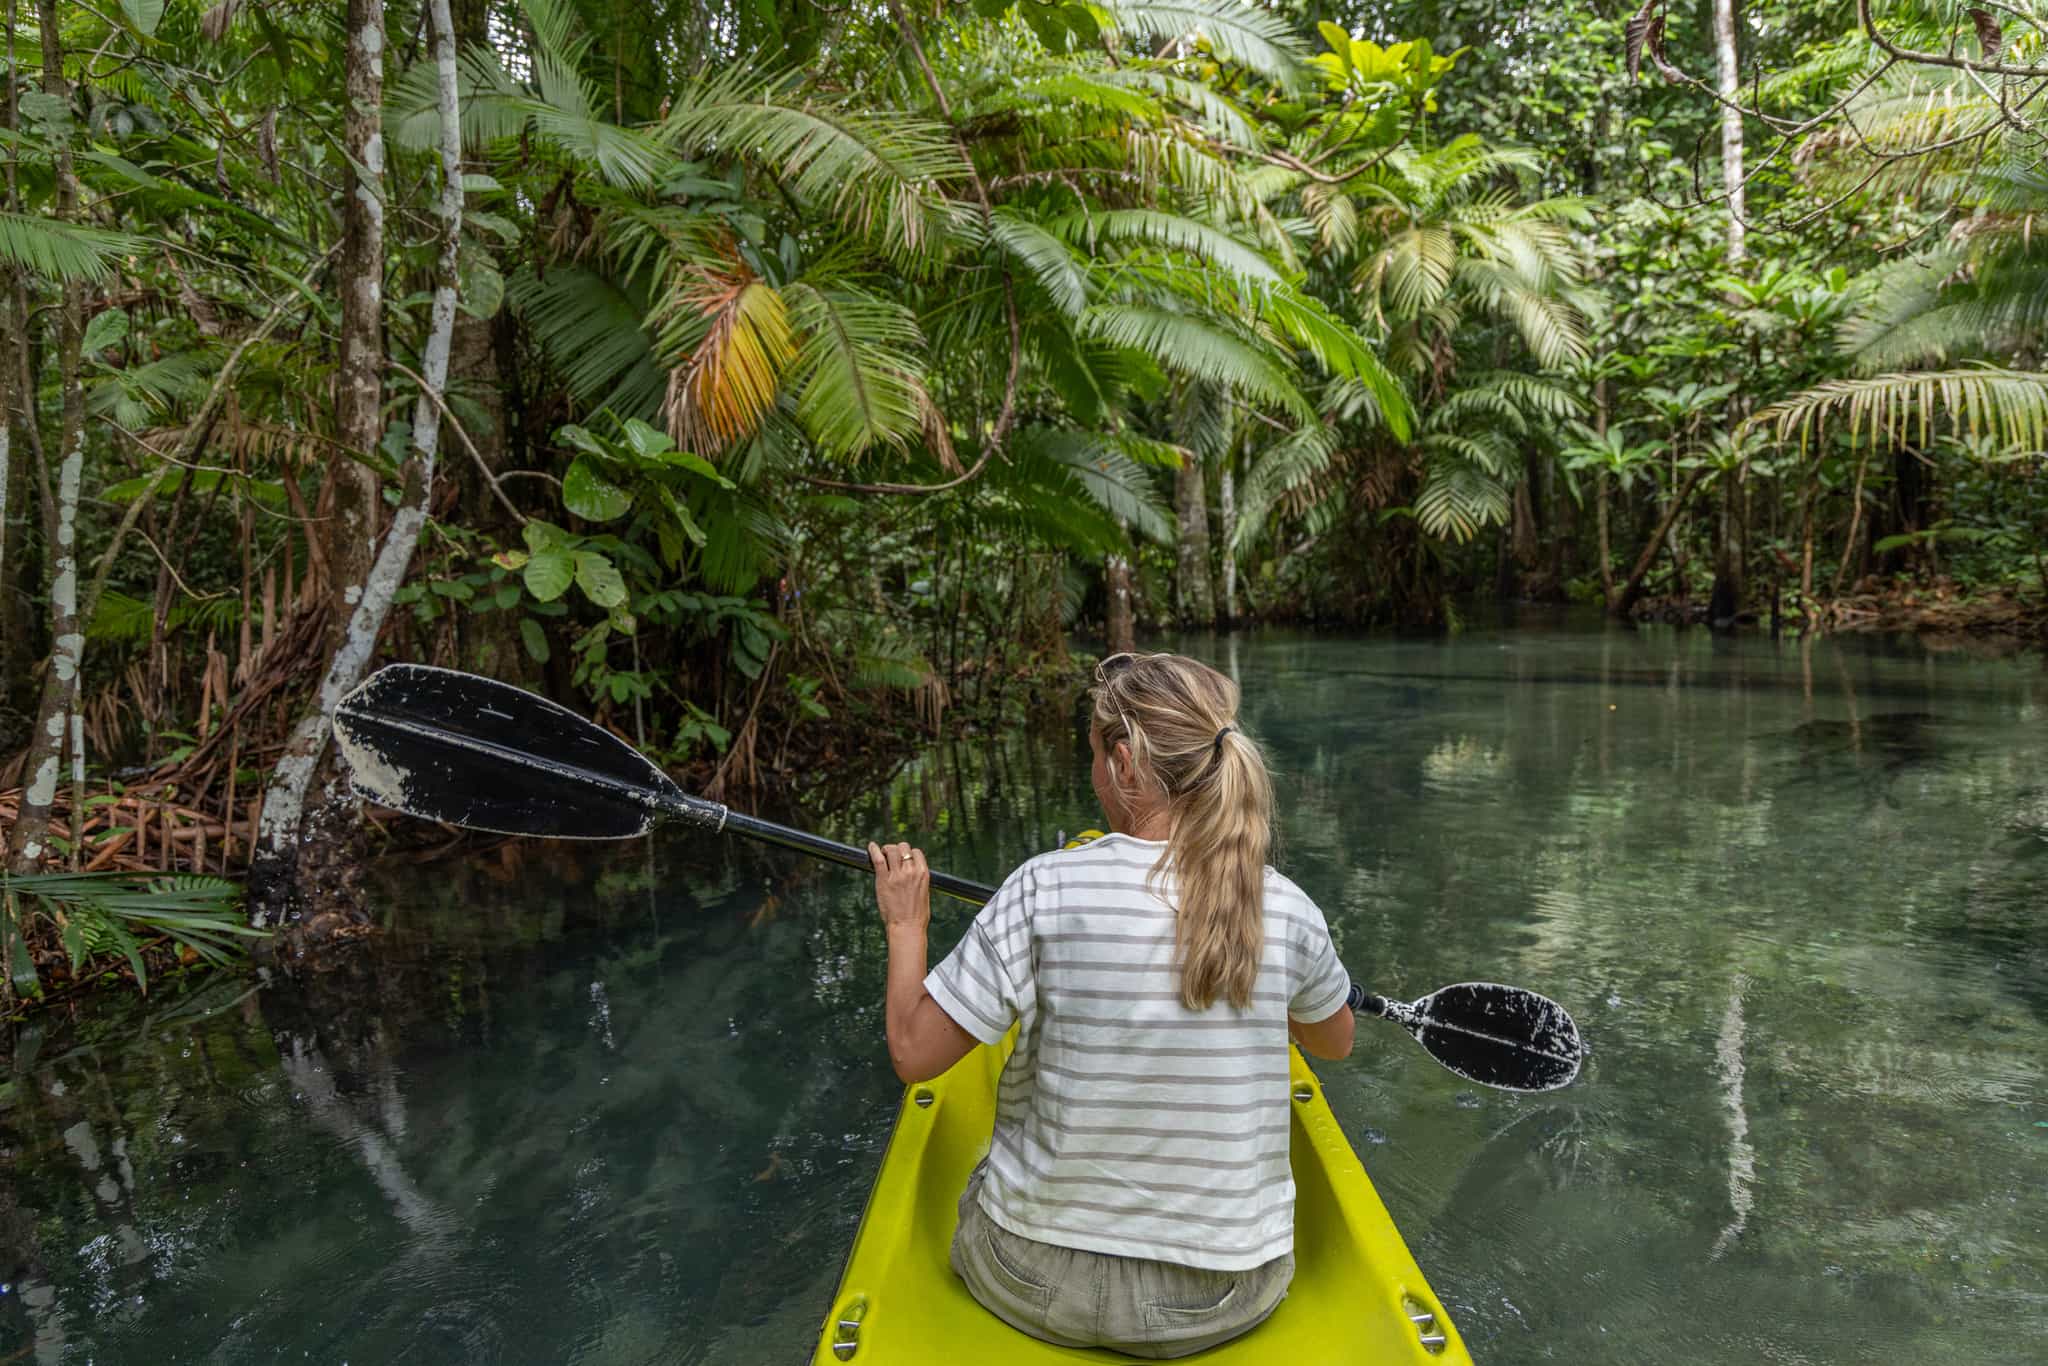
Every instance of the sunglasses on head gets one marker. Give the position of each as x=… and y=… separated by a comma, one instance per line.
x=1115, y=664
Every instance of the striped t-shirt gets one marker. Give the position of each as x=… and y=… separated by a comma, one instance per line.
x=1126, y=1123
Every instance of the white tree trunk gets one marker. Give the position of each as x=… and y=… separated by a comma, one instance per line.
x=285, y=803
x=60, y=686
x=1728, y=80
x=29, y=839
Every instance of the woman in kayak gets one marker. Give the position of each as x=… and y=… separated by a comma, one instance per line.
x=1137, y=1193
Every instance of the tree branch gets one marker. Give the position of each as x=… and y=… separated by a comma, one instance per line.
x=1888, y=47
x=485, y=470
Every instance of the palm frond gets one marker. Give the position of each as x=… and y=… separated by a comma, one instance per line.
x=1460, y=495
x=57, y=251
x=2007, y=406
x=1413, y=269
x=1045, y=257
x=856, y=382
x=882, y=173
x=1173, y=231
x=141, y=395
x=1213, y=110
x=1200, y=349
x=591, y=330
x=728, y=336
x=1103, y=468
x=1307, y=323
x=1253, y=38
x=1289, y=464
x=1550, y=327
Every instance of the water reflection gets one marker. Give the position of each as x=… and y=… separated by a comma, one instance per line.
x=622, y=1103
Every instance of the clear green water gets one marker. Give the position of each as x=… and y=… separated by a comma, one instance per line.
x=622, y=1103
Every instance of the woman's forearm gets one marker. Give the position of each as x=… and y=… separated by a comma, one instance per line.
x=905, y=991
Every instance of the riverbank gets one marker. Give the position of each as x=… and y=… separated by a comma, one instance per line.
x=2008, y=617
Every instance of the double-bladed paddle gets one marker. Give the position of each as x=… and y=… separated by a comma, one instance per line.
x=474, y=752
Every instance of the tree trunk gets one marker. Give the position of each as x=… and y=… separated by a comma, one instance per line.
x=1855, y=525
x=14, y=619
x=1228, y=503
x=67, y=638
x=1601, y=495
x=273, y=870
x=1728, y=80
x=352, y=497
x=1118, y=623
x=13, y=492
x=1726, y=599
x=1623, y=597
x=1197, y=602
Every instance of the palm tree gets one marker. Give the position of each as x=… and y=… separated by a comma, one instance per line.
x=806, y=284
x=1438, y=252
x=1926, y=329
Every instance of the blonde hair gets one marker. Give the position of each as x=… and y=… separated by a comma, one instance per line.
x=1179, y=717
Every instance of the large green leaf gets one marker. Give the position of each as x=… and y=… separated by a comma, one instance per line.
x=599, y=579
x=549, y=573
x=591, y=496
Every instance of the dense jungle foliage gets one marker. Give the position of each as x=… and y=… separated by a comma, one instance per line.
x=773, y=380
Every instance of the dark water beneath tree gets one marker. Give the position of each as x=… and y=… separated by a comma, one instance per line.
x=622, y=1103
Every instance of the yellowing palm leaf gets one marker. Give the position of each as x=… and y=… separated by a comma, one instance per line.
x=738, y=342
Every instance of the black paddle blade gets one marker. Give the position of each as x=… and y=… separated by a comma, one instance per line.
x=475, y=752
x=1497, y=1035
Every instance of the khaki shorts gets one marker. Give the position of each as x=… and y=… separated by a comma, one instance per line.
x=1073, y=1298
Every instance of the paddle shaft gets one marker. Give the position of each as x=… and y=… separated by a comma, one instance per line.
x=706, y=815
x=803, y=842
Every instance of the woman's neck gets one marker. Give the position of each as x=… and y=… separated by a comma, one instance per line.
x=1145, y=825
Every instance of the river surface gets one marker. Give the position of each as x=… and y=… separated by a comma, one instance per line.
x=622, y=1103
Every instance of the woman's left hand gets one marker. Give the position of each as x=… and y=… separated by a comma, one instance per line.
x=903, y=886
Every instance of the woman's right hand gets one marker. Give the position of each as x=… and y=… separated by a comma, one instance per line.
x=903, y=887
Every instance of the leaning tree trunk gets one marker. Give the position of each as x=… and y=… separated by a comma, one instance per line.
x=67, y=637
x=272, y=873
x=1621, y=599
x=1191, y=518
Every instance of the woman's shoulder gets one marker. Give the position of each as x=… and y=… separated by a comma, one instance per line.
x=1091, y=857
x=1283, y=895
x=1091, y=850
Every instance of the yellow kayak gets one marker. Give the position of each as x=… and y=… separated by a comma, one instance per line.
x=1357, y=1296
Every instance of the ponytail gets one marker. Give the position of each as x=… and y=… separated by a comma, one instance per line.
x=1179, y=718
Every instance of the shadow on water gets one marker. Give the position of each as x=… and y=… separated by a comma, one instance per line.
x=623, y=1103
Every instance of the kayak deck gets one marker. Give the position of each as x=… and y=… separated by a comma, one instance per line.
x=1357, y=1296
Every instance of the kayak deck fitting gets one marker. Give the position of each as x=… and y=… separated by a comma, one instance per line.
x=1357, y=1295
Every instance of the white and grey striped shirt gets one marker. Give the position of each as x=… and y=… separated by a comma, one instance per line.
x=1125, y=1122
